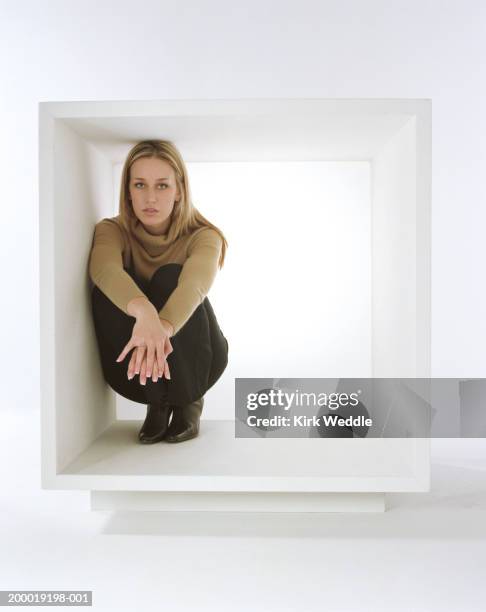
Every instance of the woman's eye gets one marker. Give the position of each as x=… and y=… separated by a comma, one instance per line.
x=161, y=184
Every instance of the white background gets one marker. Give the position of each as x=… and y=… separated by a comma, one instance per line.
x=298, y=265
x=150, y=50
x=100, y=51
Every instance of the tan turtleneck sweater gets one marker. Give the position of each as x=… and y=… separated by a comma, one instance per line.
x=113, y=248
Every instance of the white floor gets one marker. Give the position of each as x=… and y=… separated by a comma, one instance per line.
x=427, y=552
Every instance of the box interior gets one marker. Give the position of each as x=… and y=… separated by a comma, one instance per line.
x=359, y=172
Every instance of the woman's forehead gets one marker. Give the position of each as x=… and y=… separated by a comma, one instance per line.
x=151, y=167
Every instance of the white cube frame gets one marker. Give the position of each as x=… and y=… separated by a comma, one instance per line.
x=83, y=446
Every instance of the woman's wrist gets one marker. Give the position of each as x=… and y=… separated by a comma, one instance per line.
x=139, y=306
x=142, y=306
x=168, y=326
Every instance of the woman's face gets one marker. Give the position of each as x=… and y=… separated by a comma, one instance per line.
x=152, y=186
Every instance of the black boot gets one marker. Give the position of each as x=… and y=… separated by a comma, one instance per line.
x=185, y=422
x=156, y=422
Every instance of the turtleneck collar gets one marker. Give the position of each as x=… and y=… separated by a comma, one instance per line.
x=154, y=244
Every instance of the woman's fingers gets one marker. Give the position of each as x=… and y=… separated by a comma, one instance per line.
x=138, y=360
x=151, y=368
x=122, y=355
x=160, y=358
x=131, y=366
x=144, y=373
x=155, y=372
x=149, y=360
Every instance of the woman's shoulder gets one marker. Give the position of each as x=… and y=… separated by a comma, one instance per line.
x=205, y=240
x=205, y=234
x=111, y=223
x=111, y=226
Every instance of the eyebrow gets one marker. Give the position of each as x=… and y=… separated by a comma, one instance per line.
x=139, y=178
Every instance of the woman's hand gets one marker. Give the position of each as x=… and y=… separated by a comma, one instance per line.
x=144, y=373
x=149, y=334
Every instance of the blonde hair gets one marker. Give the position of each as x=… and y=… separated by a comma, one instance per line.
x=185, y=216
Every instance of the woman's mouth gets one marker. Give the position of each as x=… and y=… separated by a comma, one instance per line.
x=150, y=211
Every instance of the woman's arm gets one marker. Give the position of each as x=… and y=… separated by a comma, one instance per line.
x=106, y=267
x=195, y=279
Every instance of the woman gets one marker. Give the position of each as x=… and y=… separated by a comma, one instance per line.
x=155, y=262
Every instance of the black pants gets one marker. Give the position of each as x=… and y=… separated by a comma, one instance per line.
x=200, y=350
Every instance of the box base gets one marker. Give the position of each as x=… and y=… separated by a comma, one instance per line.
x=237, y=502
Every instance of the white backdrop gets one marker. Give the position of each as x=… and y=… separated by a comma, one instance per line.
x=96, y=50
x=299, y=264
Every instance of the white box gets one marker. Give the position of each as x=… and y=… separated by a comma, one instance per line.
x=83, y=444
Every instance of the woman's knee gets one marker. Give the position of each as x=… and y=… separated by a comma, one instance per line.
x=164, y=281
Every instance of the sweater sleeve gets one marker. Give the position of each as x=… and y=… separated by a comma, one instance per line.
x=106, y=266
x=195, y=279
